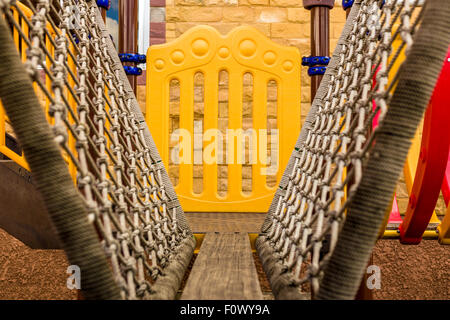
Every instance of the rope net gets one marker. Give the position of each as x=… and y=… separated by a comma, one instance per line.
x=100, y=129
x=320, y=184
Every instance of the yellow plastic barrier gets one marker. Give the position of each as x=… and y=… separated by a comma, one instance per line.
x=4, y=121
x=244, y=50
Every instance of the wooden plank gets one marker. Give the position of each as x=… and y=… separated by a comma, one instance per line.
x=223, y=270
x=201, y=222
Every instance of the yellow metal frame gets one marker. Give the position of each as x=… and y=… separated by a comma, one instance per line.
x=21, y=46
x=244, y=50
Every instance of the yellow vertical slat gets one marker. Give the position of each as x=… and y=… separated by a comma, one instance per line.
x=211, y=115
x=48, y=83
x=26, y=31
x=259, y=115
x=24, y=44
x=187, y=124
x=73, y=106
x=234, y=150
x=444, y=228
x=157, y=113
x=288, y=117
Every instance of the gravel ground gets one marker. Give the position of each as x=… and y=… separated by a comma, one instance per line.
x=413, y=272
x=32, y=274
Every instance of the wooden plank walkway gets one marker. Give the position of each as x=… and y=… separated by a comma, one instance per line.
x=225, y=221
x=223, y=270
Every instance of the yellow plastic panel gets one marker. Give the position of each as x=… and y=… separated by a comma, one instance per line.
x=244, y=50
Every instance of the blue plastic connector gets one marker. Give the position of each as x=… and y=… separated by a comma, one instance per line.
x=132, y=71
x=105, y=4
x=312, y=61
x=132, y=57
x=316, y=71
x=347, y=4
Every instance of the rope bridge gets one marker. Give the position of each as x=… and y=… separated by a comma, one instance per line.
x=121, y=221
x=342, y=164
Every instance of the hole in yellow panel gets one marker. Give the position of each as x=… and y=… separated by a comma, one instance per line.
x=174, y=127
x=199, y=107
x=272, y=134
x=222, y=168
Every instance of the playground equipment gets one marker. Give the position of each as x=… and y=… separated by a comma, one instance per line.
x=243, y=51
x=121, y=220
